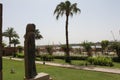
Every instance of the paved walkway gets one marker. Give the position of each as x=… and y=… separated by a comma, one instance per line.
x=91, y=68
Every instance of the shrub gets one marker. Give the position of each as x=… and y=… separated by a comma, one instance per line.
x=20, y=55
x=20, y=49
x=72, y=57
x=46, y=57
x=103, y=61
x=116, y=59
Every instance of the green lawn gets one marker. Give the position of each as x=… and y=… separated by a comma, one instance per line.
x=56, y=73
x=116, y=65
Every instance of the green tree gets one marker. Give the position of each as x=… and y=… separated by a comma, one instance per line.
x=10, y=33
x=49, y=49
x=104, y=45
x=15, y=42
x=68, y=9
x=116, y=46
x=87, y=47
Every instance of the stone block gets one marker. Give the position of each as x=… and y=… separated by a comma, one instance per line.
x=41, y=76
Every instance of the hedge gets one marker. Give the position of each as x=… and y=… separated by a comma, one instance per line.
x=72, y=57
x=102, y=61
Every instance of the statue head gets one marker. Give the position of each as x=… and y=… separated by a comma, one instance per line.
x=30, y=28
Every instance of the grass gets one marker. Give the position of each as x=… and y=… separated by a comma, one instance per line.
x=73, y=62
x=56, y=73
x=18, y=67
x=116, y=65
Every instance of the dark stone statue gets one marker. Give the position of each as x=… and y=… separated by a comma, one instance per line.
x=29, y=51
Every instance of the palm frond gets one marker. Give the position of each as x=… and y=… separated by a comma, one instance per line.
x=66, y=8
x=15, y=41
x=10, y=33
x=60, y=10
x=37, y=34
x=74, y=8
x=71, y=14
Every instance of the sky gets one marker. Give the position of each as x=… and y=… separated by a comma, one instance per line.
x=95, y=22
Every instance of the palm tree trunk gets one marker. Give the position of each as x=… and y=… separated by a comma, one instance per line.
x=14, y=54
x=9, y=41
x=67, y=42
x=0, y=41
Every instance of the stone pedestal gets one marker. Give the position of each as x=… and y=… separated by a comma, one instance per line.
x=41, y=76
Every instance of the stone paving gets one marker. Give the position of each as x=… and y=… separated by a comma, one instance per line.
x=91, y=68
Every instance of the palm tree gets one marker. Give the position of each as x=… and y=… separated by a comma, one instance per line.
x=38, y=35
x=68, y=9
x=104, y=45
x=10, y=33
x=15, y=42
x=49, y=49
x=87, y=47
